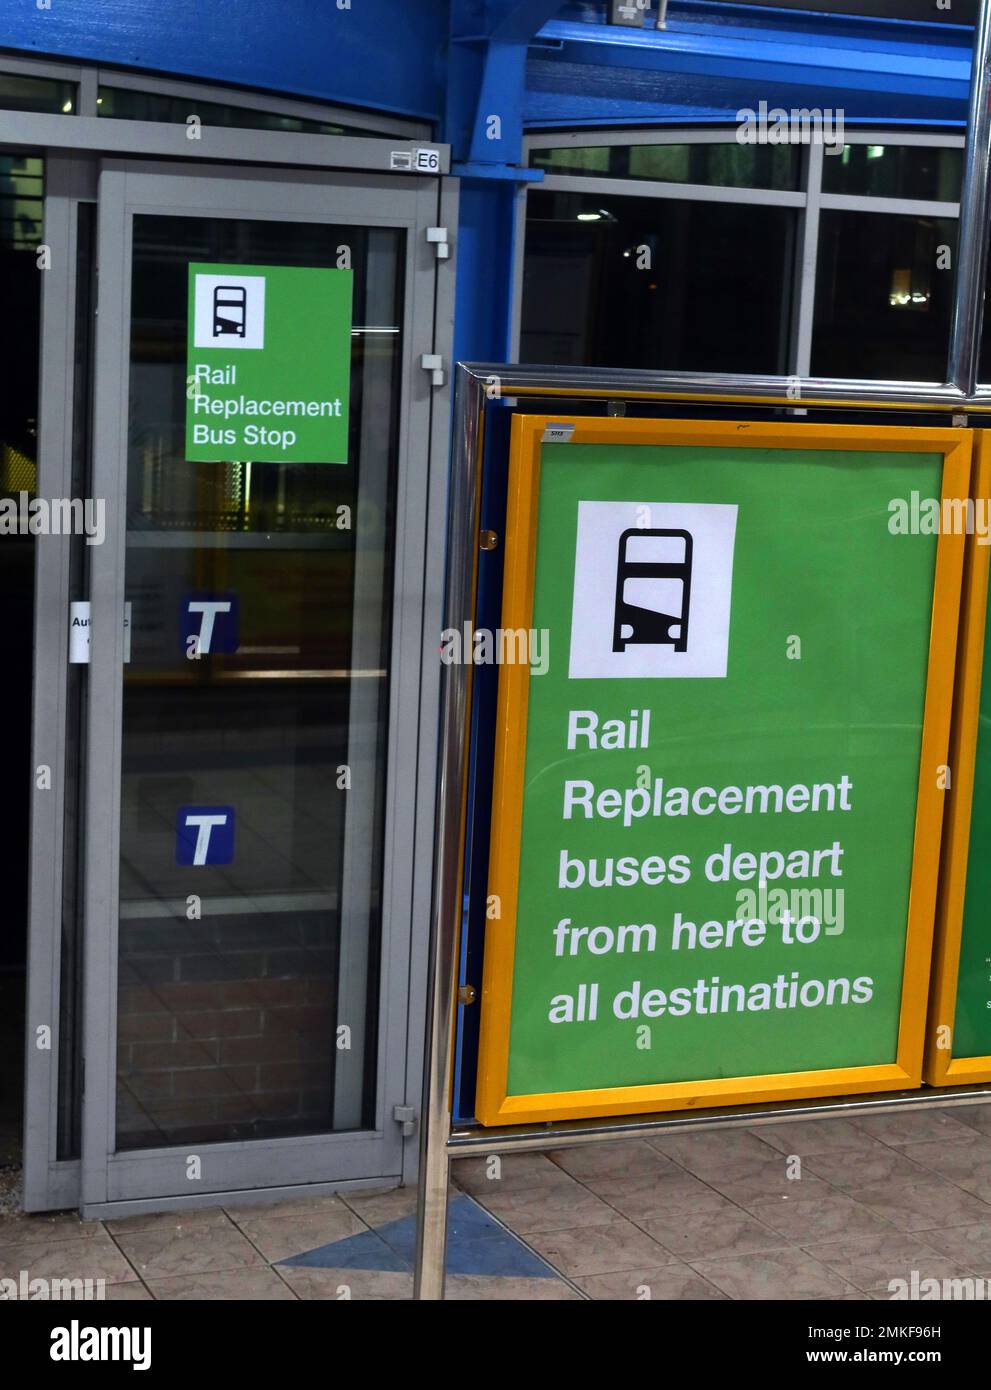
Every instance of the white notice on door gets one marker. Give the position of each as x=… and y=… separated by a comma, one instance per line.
x=79, y=633
x=79, y=630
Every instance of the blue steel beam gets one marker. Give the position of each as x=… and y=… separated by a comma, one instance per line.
x=487, y=78
x=372, y=53
x=579, y=71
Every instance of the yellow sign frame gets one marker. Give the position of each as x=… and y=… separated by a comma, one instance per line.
x=942, y=1068
x=494, y=1106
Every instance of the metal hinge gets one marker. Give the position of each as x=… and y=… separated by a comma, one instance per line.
x=405, y=1118
x=437, y=236
x=433, y=363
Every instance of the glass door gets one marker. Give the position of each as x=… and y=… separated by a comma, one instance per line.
x=254, y=677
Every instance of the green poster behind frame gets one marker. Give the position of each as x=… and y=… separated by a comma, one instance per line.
x=794, y=652
x=268, y=363
x=959, y=1043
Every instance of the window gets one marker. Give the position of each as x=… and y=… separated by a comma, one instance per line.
x=127, y=105
x=709, y=278
x=895, y=171
x=25, y=93
x=728, y=165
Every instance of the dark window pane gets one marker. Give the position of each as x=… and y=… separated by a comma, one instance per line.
x=70, y=1080
x=126, y=105
x=21, y=202
x=654, y=283
x=36, y=94
x=895, y=171
x=882, y=302
x=729, y=166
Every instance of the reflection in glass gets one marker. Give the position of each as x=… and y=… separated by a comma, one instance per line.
x=656, y=283
x=883, y=296
x=21, y=93
x=729, y=166
x=928, y=172
x=127, y=105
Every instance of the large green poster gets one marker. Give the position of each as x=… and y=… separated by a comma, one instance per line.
x=972, y=1022
x=721, y=764
x=268, y=363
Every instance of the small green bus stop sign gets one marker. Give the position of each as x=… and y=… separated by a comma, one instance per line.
x=268, y=364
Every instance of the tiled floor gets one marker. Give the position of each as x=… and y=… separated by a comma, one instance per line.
x=819, y=1210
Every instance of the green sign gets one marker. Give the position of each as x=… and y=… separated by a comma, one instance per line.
x=268, y=364
x=705, y=846
x=972, y=1021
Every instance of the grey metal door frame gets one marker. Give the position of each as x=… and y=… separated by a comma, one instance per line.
x=51, y=1181
x=105, y=1180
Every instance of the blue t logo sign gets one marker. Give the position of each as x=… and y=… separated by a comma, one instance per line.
x=204, y=835
x=208, y=623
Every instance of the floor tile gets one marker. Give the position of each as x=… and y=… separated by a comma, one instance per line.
x=773, y=1274
x=653, y=1196
x=234, y=1285
x=809, y=1137
x=696, y=1235
x=927, y=1204
x=377, y=1208
x=974, y=1116
x=208, y=1218
x=504, y=1172
x=831, y=1214
x=971, y=1245
x=38, y=1228
x=166, y=1254
x=597, y=1249
x=95, y=1258
x=876, y=1164
x=549, y=1208
x=713, y=1150
x=344, y=1284
x=662, y=1284
x=611, y=1161
x=364, y=1251
x=869, y=1261
x=749, y=1183
x=913, y=1126
x=278, y=1237
x=302, y=1206
x=462, y=1287
x=966, y=1164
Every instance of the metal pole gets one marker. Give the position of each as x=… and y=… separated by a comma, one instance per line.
x=968, y=289
x=442, y=979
